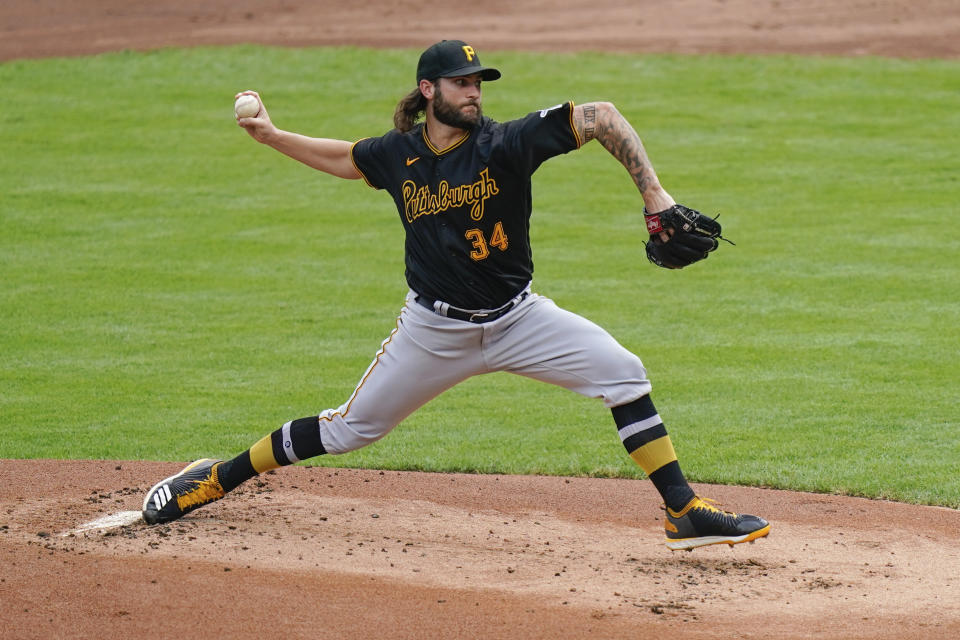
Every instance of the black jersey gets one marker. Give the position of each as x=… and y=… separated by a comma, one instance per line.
x=466, y=209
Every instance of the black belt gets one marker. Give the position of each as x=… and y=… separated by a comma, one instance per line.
x=476, y=317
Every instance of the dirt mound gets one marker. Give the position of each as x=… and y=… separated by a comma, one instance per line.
x=451, y=555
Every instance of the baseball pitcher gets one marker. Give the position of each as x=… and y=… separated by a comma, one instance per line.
x=461, y=183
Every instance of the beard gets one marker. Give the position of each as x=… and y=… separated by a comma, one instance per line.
x=451, y=116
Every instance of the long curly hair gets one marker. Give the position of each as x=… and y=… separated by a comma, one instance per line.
x=408, y=111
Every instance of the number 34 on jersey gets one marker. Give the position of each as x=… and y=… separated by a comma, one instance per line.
x=481, y=244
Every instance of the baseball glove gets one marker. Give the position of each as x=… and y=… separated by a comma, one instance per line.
x=694, y=237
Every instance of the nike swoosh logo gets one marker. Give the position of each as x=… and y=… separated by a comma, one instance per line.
x=410, y=161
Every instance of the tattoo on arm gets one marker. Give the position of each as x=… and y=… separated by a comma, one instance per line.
x=619, y=138
x=589, y=122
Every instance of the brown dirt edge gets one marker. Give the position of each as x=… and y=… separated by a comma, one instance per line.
x=900, y=28
x=345, y=553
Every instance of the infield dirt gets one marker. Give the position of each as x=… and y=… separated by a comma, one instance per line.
x=333, y=553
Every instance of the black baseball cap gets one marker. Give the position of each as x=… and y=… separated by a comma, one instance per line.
x=450, y=59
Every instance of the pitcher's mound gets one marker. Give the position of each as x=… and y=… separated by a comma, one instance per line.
x=325, y=552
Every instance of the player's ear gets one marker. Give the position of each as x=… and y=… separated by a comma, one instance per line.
x=426, y=88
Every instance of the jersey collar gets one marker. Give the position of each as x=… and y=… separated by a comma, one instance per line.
x=440, y=152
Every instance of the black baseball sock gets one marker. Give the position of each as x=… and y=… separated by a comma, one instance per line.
x=296, y=440
x=646, y=440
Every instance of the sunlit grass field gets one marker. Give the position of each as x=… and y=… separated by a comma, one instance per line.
x=170, y=289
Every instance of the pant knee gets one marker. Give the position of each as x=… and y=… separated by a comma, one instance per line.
x=342, y=433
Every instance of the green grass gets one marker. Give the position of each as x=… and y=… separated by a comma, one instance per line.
x=170, y=289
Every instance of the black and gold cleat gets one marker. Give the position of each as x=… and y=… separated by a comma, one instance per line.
x=700, y=524
x=180, y=494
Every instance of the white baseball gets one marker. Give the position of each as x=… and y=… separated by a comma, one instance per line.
x=246, y=106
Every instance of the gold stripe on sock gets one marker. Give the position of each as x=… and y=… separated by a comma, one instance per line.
x=261, y=456
x=655, y=454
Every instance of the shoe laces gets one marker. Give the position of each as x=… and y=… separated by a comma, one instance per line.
x=207, y=490
x=708, y=504
x=704, y=514
x=704, y=504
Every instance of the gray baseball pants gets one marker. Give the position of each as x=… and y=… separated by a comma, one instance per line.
x=428, y=353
